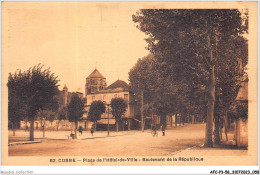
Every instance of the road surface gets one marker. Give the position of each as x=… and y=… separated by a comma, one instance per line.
x=126, y=143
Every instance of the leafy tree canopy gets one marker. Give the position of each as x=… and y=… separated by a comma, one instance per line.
x=118, y=106
x=76, y=108
x=97, y=108
x=36, y=88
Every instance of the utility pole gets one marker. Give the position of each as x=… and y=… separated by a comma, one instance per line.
x=142, y=110
x=152, y=120
x=108, y=120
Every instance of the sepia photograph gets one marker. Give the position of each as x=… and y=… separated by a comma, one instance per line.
x=129, y=83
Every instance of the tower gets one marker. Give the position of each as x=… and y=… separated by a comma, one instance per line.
x=95, y=82
x=65, y=95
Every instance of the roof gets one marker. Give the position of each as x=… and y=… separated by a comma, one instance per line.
x=65, y=87
x=118, y=84
x=243, y=92
x=106, y=91
x=95, y=74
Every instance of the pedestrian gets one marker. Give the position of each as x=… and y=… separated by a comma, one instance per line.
x=80, y=130
x=92, y=130
x=163, y=130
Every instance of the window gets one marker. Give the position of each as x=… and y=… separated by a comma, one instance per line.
x=126, y=97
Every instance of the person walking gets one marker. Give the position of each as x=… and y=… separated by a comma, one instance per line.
x=163, y=130
x=92, y=130
x=80, y=130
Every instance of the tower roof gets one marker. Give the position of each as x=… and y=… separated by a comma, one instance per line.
x=65, y=87
x=95, y=74
x=118, y=84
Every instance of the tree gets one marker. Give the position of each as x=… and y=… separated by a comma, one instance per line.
x=160, y=95
x=118, y=106
x=227, y=88
x=16, y=110
x=187, y=45
x=76, y=109
x=141, y=78
x=97, y=108
x=44, y=115
x=36, y=88
x=62, y=115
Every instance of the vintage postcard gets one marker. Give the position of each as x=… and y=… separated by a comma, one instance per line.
x=129, y=83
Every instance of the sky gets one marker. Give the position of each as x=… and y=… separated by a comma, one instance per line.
x=74, y=38
x=71, y=38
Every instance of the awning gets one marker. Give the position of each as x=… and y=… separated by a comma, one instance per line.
x=105, y=121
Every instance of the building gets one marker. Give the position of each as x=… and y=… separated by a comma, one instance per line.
x=235, y=123
x=241, y=125
x=96, y=89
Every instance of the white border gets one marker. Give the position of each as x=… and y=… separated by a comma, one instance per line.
x=177, y=169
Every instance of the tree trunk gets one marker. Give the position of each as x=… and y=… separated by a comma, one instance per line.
x=128, y=124
x=25, y=125
x=176, y=119
x=211, y=100
x=31, y=129
x=116, y=126
x=225, y=124
x=144, y=124
x=43, y=134
x=220, y=132
x=76, y=126
x=171, y=121
x=142, y=110
x=152, y=121
x=180, y=120
x=235, y=131
x=216, y=131
x=87, y=125
x=13, y=126
x=58, y=125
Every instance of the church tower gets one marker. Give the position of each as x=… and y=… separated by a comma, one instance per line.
x=95, y=82
x=65, y=95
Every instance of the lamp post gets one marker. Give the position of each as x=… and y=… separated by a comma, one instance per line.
x=43, y=134
x=108, y=111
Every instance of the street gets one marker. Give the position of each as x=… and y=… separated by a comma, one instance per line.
x=123, y=143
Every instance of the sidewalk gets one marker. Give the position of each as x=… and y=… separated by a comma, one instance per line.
x=65, y=135
x=22, y=143
x=216, y=151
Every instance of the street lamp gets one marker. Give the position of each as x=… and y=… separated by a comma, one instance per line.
x=108, y=111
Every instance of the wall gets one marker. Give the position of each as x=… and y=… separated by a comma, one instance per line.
x=242, y=133
x=106, y=97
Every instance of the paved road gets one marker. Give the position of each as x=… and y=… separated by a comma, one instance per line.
x=128, y=143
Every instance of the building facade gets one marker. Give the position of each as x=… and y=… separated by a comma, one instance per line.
x=96, y=89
